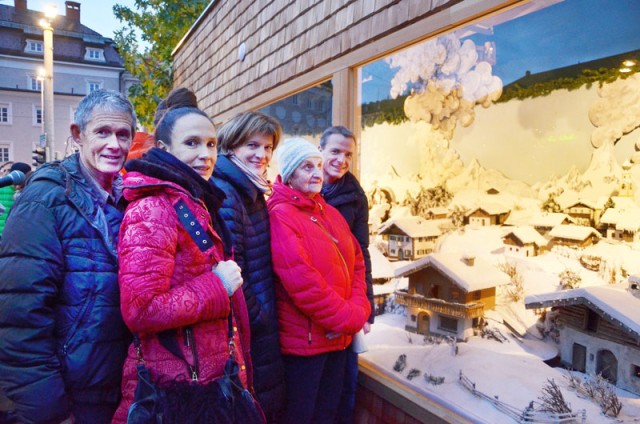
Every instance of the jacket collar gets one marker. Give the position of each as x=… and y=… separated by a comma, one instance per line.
x=284, y=194
x=227, y=170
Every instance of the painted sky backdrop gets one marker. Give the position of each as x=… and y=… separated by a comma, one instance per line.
x=563, y=34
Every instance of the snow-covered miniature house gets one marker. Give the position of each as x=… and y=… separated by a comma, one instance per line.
x=436, y=213
x=599, y=331
x=448, y=293
x=382, y=274
x=489, y=214
x=573, y=235
x=524, y=241
x=584, y=212
x=410, y=238
x=546, y=221
x=623, y=225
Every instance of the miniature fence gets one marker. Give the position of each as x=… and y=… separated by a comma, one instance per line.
x=546, y=417
x=528, y=415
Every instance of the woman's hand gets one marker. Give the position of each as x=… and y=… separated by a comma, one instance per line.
x=332, y=335
x=230, y=274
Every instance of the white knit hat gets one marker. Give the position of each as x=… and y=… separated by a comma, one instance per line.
x=291, y=152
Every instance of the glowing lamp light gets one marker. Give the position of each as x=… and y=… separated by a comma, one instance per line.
x=625, y=70
x=628, y=63
x=41, y=73
x=50, y=11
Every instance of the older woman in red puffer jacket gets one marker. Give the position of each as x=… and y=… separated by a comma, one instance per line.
x=321, y=298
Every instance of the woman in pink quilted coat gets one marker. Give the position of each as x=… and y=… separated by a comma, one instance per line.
x=321, y=297
x=169, y=280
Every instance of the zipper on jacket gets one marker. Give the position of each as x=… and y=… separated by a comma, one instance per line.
x=309, y=324
x=190, y=342
x=83, y=313
x=335, y=244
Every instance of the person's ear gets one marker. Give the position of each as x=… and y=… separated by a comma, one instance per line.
x=75, y=133
x=162, y=145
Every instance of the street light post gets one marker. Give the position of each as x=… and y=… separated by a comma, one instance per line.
x=48, y=81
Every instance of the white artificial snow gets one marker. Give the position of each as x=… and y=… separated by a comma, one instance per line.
x=573, y=232
x=527, y=235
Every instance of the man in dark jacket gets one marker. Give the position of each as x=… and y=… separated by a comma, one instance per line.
x=63, y=338
x=343, y=191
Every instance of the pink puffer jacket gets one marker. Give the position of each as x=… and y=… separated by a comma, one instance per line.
x=166, y=283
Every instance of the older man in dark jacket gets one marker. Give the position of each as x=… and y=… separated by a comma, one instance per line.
x=343, y=191
x=63, y=338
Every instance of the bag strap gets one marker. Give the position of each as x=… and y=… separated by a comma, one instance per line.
x=168, y=338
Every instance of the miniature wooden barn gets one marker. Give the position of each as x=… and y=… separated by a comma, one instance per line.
x=599, y=331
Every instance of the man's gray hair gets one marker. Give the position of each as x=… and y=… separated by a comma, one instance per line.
x=106, y=101
x=338, y=129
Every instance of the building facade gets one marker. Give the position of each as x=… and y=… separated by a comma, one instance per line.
x=83, y=61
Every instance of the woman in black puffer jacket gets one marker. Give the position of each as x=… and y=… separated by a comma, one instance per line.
x=245, y=145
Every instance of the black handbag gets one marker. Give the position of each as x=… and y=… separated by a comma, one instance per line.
x=222, y=401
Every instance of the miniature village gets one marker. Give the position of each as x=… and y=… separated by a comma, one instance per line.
x=503, y=290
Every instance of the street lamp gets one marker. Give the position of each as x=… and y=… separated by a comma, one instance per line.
x=45, y=23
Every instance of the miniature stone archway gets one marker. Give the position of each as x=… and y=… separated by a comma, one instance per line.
x=607, y=366
x=423, y=323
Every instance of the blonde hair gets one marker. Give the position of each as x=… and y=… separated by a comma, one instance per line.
x=239, y=129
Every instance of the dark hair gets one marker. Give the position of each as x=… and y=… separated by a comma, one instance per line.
x=179, y=96
x=338, y=129
x=178, y=103
x=239, y=129
x=20, y=166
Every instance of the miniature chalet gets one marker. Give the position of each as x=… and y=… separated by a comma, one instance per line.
x=584, y=212
x=448, y=293
x=546, y=221
x=523, y=241
x=599, y=331
x=623, y=225
x=488, y=214
x=410, y=238
x=573, y=235
x=382, y=274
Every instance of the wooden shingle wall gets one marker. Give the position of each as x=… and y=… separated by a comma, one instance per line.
x=284, y=39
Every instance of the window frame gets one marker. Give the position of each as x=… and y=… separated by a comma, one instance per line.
x=29, y=46
x=446, y=324
x=89, y=54
x=36, y=110
x=8, y=120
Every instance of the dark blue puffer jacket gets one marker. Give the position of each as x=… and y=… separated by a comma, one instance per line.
x=245, y=213
x=349, y=198
x=62, y=338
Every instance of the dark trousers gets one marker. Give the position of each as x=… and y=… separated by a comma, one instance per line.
x=314, y=386
x=93, y=413
x=348, y=400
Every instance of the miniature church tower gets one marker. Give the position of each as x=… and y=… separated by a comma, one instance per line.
x=626, y=188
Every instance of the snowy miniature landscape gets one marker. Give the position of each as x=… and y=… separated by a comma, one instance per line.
x=493, y=178
x=513, y=370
